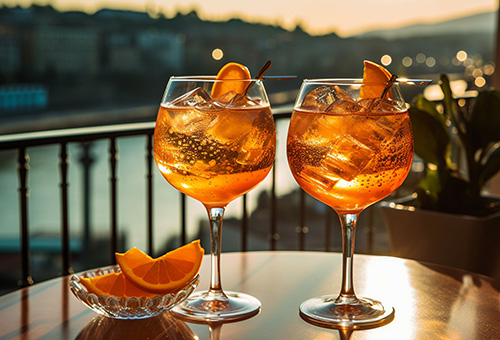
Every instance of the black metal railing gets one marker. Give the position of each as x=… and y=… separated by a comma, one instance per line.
x=23, y=141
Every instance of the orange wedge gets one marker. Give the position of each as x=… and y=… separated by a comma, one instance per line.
x=374, y=79
x=113, y=284
x=167, y=273
x=231, y=71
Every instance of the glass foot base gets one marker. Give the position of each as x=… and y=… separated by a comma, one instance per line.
x=324, y=311
x=201, y=307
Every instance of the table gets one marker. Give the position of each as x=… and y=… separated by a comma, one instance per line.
x=431, y=302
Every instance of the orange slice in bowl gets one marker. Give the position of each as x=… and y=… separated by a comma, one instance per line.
x=167, y=273
x=374, y=79
x=115, y=284
x=231, y=71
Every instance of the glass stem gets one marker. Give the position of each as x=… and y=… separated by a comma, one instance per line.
x=215, y=215
x=348, y=224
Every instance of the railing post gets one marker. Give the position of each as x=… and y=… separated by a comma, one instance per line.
x=183, y=219
x=328, y=227
x=113, y=159
x=149, y=191
x=302, y=229
x=64, y=207
x=23, y=168
x=274, y=236
x=244, y=225
x=86, y=160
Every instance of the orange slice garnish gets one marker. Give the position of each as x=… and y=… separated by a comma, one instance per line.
x=375, y=78
x=113, y=284
x=231, y=71
x=166, y=273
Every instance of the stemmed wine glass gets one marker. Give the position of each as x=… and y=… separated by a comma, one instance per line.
x=348, y=152
x=215, y=150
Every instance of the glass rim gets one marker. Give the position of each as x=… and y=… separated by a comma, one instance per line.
x=210, y=79
x=342, y=81
x=360, y=81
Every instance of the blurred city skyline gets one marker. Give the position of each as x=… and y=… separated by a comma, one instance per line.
x=341, y=17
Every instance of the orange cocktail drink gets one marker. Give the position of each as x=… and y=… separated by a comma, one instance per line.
x=350, y=160
x=214, y=154
x=350, y=144
x=215, y=141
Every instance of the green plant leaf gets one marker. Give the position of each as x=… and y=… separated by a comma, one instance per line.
x=484, y=120
x=450, y=106
x=431, y=137
x=426, y=105
x=491, y=167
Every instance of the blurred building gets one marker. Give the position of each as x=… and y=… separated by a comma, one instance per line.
x=23, y=97
x=10, y=50
x=65, y=49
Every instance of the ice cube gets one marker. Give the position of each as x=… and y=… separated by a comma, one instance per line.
x=227, y=127
x=195, y=111
x=190, y=121
x=324, y=128
x=381, y=105
x=226, y=97
x=242, y=101
x=319, y=98
x=347, y=157
x=330, y=98
x=343, y=102
x=192, y=98
x=254, y=146
x=321, y=181
x=343, y=106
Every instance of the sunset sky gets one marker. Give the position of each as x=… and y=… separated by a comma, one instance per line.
x=345, y=17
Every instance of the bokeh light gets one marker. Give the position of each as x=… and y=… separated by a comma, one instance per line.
x=480, y=82
x=420, y=58
x=386, y=60
x=407, y=61
x=461, y=55
x=217, y=54
x=430, y=62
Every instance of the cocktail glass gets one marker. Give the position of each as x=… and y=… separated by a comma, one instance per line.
x=215, y=150
x=348, y=152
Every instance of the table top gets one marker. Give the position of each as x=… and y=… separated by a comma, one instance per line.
x=431, y=302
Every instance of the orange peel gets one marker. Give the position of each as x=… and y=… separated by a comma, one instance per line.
x=231, y=71
x=375, y=78
x=167, y=273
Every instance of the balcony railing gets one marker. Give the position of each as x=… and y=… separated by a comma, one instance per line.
x=62, y=138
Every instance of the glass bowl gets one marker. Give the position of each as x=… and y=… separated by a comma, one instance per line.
x=127, y=308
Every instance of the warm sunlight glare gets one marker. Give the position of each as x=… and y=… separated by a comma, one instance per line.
x=399, y=290
x=463, y=316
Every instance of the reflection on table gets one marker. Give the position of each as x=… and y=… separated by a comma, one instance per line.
x=431, y=302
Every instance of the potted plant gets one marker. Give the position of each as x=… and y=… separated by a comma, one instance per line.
x=448, y=219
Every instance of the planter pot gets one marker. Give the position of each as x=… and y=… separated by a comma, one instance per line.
x=466, y=242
